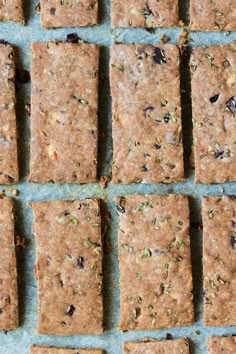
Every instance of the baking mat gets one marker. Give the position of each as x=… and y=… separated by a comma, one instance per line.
x=19, y=340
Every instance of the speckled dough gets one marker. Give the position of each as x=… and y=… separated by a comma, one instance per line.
x=147, y=130
x=178, y=346
x=8, y=275
x=68, y=13
x=8, y=134
x=35, y=349
x=214, y=109
x=11, y=10
x=69, y=267
x=214, y=15
x=155, y=266
x=219, y=254
x=142, y=13
x=222, y=345
x=64, y=103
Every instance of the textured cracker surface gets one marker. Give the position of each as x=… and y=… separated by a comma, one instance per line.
x=215, y=15
x=213, y=78
x=147, y=131
x=178, y=346
x=219, y=255
x=155, y=267
x=8, y=277
x=8, y=135
x=68, y=13
x=68, y=267
x=11, y=10
x=51, y=350
x=219, y=345
x=64, y=104
x=141, y=13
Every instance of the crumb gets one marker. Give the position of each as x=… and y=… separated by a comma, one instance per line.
x=104, y=180
x=14, y=192
x=164, y=38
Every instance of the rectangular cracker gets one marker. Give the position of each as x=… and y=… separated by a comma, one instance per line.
x=35, y=349
x=8, y=132
x=219, y=251
x=69, y=267
x=141, y=13
x=177, y=346
x=155, y=264
x=68, y=13
x=219, y=345
x=147, y=129
x=64, y=103
x=216, y=15
x=12, y=10
x=8, y=274
x=214, y=109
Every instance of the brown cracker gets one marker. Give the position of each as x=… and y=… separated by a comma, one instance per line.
x=68, y=13
x=178, y=346
x=219, y=251
x=213, y=82
x=222, y=345
x=147, y=129
x=68, y=267
x=155, y=265
x=215, y=15
x=35, y=349
x=12, y=10
x=142, y=13
x=8, y=274
x=64, y=104
x=8, y=131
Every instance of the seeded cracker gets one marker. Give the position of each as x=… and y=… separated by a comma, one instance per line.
x=219, y=252
x=64, y=104
x=219, y=345
x=147, y=129
x=8, y=275
x=68, y=13
x=8, y=141
x=68, y=267
x=11, y=10
x=34, y=349
x=155, y=266
x=178, y=346
x=142, y=13
x=212, y=15
x=214, y=113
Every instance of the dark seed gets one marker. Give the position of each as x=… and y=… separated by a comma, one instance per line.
x=120, y=208
x=233, y=240
x=169, y=336
x=159, y=56
x=52, y=11
x=147, y=111
x=232, y=197
x=144, y=168
x=157, y=146
x=167, y=117
x=218, y=154
x=66, y=212
x=226, y=64
x=3, y=42
x=233, y=223
x=231, y=104
x=150, y=30
x=70, y=311
x=1, y=311
x=213, y=99
x=23, y=76
x=28, y=108
x=73, y=38
x=80, y=263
